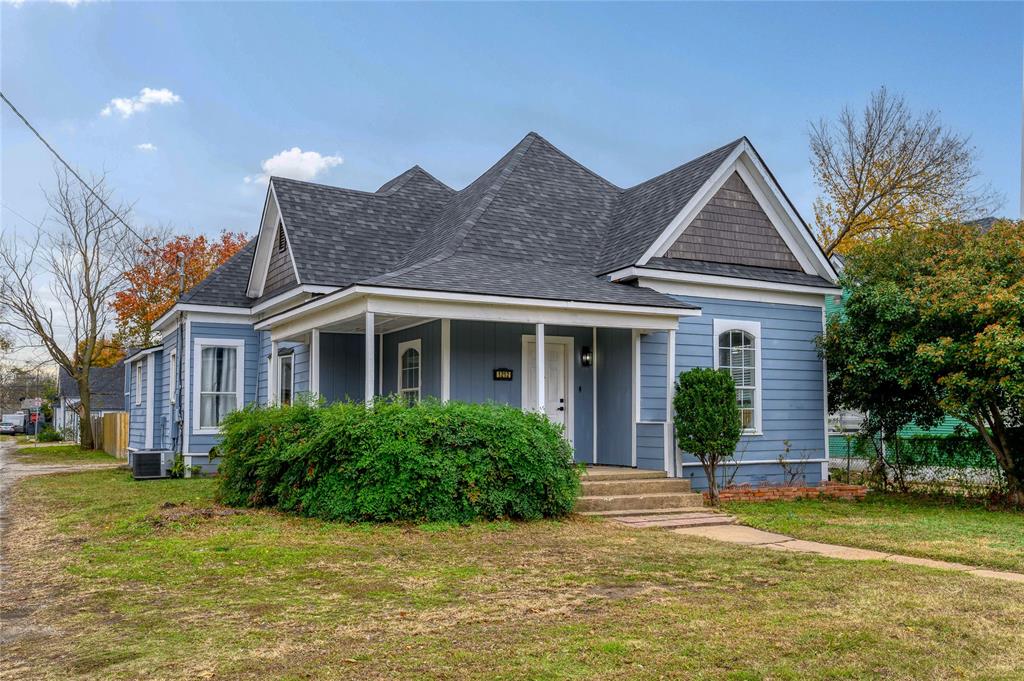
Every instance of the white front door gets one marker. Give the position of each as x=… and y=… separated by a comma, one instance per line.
x=557, y=393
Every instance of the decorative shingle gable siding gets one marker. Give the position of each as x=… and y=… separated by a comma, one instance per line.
x=733, y=228
x=281, y=272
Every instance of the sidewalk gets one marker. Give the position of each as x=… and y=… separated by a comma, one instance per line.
x=749, y=536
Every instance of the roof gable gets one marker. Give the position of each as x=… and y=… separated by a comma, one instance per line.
x=733, y=228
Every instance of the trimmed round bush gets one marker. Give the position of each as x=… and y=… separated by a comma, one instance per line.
x=430, y=461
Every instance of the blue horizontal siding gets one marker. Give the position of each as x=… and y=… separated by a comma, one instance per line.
x=650, y=446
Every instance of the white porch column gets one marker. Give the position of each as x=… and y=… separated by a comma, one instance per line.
x=670, y=391
x=371, y=346
x=446, y=360
x=540, y=368
x=272, y=374
x=314, y=363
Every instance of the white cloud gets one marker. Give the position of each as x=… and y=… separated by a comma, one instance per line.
x=146, y=146
x=129, y=106
x=296, y=164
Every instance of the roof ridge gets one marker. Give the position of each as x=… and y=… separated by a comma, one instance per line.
x=691, y=161
x=567, y=157
x=403, y=178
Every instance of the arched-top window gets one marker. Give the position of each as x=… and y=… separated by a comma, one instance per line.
x=409, y=370
x=737, y=352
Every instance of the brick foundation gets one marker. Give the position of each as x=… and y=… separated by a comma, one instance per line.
x=832, y=490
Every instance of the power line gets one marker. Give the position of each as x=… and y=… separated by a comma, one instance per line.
x=70, y=169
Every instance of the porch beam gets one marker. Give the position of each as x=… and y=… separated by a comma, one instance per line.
x=540, y=368
x=370, y=363
x=670, y=392
x=619, y=319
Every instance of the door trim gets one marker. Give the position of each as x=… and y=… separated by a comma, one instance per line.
x=567, y=343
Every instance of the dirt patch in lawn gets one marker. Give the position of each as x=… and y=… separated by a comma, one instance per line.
x=171, y=513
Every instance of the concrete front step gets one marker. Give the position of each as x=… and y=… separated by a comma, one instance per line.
x=677, y=520
x=642, y=512
x=631, y=502
x=605, y=473
x=607, y=488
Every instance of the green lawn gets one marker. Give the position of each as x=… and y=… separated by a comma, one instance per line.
x=116, y=579
x=958, y=531
x=66, y=454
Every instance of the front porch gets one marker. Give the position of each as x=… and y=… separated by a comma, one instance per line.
x=579, y=363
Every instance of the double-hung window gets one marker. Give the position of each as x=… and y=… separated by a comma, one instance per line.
x=738, y=350
x=218, y=381
x=409, y=370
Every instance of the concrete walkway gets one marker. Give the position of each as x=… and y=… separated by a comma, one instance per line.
x=749, y=536
x=11, y=470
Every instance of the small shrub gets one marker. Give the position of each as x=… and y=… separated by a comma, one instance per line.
x=707, y=419
x=48, y=434
x=433, y=462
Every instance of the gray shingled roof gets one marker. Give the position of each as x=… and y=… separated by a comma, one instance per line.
x=738, y=271
x=106, y=384
x=535, y=224
x=460, y=273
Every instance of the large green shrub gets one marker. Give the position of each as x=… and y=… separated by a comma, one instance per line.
x=707, y=419
x=429, y=461
x=48, y=434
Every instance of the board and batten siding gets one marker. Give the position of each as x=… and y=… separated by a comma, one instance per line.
x=478, y=348
x=200, y=444
x=792, y=390
x=614, y=360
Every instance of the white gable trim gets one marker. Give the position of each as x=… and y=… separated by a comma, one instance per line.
x=265, y=242
x=744, y=161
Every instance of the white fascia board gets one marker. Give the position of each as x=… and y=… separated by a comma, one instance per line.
x=142, y=353
x=261, y=258
x=487, y=299
x=700, y=290
x=289, y=295
x=655, y=279
x=788, y=224
x=824, y=267
x=224, y=310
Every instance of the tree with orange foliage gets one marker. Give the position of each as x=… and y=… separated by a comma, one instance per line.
x=153, y=284
x=107, y=352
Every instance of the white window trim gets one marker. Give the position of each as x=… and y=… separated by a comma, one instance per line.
x=197, y=367
x=417, y=345
x=278, y=383
x=754, y=329
x=172, y=377
x=138, y=383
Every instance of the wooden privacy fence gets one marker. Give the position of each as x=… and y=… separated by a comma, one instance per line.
x=111, y=433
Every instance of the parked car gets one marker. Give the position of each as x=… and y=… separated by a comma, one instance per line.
x=8, y=428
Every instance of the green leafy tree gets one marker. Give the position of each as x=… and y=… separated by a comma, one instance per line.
x=707, y=420
x=934, y=325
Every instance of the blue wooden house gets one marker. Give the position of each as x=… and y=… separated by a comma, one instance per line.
x=540, y=285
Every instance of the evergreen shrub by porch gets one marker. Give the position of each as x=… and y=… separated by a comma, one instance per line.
x=430, y=461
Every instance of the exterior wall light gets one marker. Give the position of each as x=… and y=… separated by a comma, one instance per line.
x=586, y=356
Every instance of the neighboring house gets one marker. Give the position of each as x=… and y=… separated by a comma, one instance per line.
x=107, y=389
x=540, y=285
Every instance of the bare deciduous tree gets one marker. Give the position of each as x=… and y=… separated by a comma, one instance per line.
x=885, y=169
x=57, y=289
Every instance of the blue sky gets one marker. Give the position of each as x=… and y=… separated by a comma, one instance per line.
x=628, y=90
